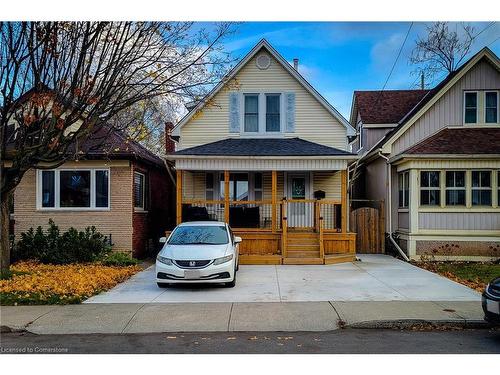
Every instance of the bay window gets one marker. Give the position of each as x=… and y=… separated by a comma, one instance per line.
x=470, y=108
x=73, y=189
x=404, y=189
x=430, y=192
x=455, y=188
x=481, y=188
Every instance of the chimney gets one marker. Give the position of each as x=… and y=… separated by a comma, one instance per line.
x=169, y=143
x=296, y=64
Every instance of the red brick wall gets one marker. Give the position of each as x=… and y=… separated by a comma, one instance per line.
x=149, y=226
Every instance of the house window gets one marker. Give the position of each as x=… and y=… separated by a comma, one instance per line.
x=48, y=188
x=481, y=188
x=470, y=108
x=238, y=187
x=139, y=191
x=491, y=107
x=429, y=188
x=73, y=189
x=272, y=112
x=404, y=189
x=455, y=188
x=251, y=122
x=209, y=186
x=258, y=186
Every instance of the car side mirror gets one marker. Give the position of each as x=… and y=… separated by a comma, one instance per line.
x=237, y=239
x=163, y=239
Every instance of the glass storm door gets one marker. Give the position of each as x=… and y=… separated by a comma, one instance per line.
x=299, y=213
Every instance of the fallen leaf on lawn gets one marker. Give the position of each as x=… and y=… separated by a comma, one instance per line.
x=231, y=338
x=171, y=337
x=253, y=338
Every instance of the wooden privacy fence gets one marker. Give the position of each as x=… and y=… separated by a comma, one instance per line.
x=367, y=223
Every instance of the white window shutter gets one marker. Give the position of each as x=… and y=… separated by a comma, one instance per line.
x=234, y=112
x=290, y=112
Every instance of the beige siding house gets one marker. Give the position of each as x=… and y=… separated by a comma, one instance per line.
x=438, y=163
x=267, y=153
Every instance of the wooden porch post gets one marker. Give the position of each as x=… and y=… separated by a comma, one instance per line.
x=226, y=196
x=274, y=185
x=343, y=222
x=179, y=197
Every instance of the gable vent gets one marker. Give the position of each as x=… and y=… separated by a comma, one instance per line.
x=263, y=61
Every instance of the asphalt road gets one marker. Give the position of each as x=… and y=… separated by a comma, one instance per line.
x=362, y=341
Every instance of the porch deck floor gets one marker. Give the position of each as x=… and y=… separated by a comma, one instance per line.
x=375, y=278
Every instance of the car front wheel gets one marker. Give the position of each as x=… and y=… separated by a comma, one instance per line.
x=231, y=284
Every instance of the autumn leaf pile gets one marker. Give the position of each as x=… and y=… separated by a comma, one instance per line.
x=34, y=283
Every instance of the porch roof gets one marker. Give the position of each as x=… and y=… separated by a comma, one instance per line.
x=263, y=147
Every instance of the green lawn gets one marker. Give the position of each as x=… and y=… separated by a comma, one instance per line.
x=474, y=275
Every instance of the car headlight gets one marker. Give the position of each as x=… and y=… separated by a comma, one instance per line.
x=223, y=259
x=164, y=260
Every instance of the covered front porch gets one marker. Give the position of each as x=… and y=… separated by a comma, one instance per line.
x=284, y=217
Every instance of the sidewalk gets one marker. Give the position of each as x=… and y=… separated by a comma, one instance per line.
x=233, y=317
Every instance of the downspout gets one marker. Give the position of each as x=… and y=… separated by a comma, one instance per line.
x=391, y=238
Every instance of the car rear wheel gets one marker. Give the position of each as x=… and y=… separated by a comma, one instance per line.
x=163, y=285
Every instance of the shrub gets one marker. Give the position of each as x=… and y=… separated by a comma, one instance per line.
x=69, y=247
x=118, y=259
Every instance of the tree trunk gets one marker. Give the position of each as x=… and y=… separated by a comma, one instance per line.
x=4, y=233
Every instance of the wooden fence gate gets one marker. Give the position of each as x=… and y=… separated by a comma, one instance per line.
x=368, y=224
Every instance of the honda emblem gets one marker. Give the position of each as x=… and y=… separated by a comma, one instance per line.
x=192, y=263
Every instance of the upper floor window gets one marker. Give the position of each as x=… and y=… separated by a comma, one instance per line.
x=251, y=121
x=430, y=192
x=73, y=189
x=470, y=108
x=272, y=112
x=481, y=188
x=404, y=189
x=491, y=107
x=455, y=188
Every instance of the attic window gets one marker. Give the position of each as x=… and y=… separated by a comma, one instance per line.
x=263, y=61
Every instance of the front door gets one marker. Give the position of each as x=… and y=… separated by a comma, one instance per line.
x=299, y=214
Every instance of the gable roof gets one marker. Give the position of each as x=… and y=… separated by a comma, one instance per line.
x=263, y=147
x=265, y=44
x=386, y=107
x=461, y=141
x=432, y=96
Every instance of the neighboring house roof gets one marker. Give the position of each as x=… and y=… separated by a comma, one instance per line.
x=386, y=107
x=432, y=96
x=460, y=140
x=263, y=147
x=109, y=143
x=265, y=44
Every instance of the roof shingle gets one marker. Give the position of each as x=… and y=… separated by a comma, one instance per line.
x=263, y=147
x=461, y=141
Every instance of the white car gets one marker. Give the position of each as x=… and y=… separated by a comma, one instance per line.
x=202, y=251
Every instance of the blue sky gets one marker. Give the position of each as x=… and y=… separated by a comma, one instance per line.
x=340, y=57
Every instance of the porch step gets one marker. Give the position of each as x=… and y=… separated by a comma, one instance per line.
x=302, y=253
x=290, y=260
x=339, y=258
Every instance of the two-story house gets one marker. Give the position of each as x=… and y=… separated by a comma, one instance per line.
x=433, y=158
x=267, y=153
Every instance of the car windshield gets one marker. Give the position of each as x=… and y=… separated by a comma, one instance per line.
x=199, y=235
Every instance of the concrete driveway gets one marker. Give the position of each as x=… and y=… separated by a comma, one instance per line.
x=374, y=278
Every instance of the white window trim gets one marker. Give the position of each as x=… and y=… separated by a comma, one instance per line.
x=498, y=105
x=262, y=114
x=57, y=185
x=455, y=188
x=360, y=136
x=405, y=198
x=481, y=188
x=420, y=188
x=477, y=107
x=140, y=208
